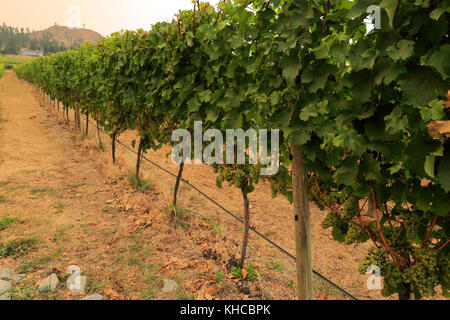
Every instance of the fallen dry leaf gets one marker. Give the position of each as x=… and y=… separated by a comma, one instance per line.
x=110, y=292
x=439, y=130
x=244, y=274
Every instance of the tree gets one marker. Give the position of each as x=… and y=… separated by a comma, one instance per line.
x=11, y=46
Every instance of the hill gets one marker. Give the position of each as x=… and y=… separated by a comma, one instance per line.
x=66, y=35
x=50, y=40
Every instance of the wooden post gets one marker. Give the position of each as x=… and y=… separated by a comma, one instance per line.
x=302, y=224
x=406, y=295
x=113, y=148
x=138, y=160
x=78, y=118
x=246, y=228
x=87, y=124
x=75, y=118
x=98, y=135
x=177, y=183
x=371, y=209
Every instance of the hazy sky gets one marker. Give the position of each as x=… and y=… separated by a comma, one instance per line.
x=103, y=16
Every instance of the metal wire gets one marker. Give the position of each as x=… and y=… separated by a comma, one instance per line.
x=343, y=291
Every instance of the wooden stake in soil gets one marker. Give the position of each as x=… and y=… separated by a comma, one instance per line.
x=177, y=184
x=302, y=224
x=75, y=118
x=407, y=294
x=78, y=117
x=98, y=134
x=371, y=209
x=246, y=228
x=87, y=124
x=138, y=161
x=113, y=148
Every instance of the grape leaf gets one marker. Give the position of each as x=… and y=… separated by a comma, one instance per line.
x=291, y=66
x=421, y=85
x=444, y=173
x=440, y=60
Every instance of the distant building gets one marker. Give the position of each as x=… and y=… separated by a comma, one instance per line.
x=31, y=53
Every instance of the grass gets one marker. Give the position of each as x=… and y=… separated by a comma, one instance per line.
x=16, y=248
x=2, y=198
x=96, y=287
x=152, y=281
x=61, y=234
x=13, y=59
x=28, y=266
x=219, y=277
x=25, y=290
x=251, y=275
x=139, y=183
x=4, y=183
x=323, y=288
x=180, y=217
x=218, y=229
x=59, y=206
x=38, y=190
x=5, y=222
x=275, y=265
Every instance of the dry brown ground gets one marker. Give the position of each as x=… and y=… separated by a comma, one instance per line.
x=79, y=208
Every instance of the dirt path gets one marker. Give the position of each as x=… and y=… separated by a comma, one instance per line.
x=57, y=192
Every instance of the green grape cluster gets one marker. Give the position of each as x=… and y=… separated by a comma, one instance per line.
x=393, y=279
x=238, y=176
x=280, y=183
x=234, y=177
x=425, y=274
x=393, y=276
x=359, y=190
x=428, y=258
x=355, y=235
x=351, y=208
x=422, y=279
x=315, y=195
x=396, y=238
x=374, y=257
x=410, y=225
x=444, y=274
x=331, y=220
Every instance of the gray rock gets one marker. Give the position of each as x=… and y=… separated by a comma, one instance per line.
x=169, y=286
x=49, y=284
x=77, y=284
x=5, y=289
x=93, y=297
x=20, y=277
x=7, y=274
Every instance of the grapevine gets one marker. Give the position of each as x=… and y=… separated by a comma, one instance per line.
x=357, y=105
